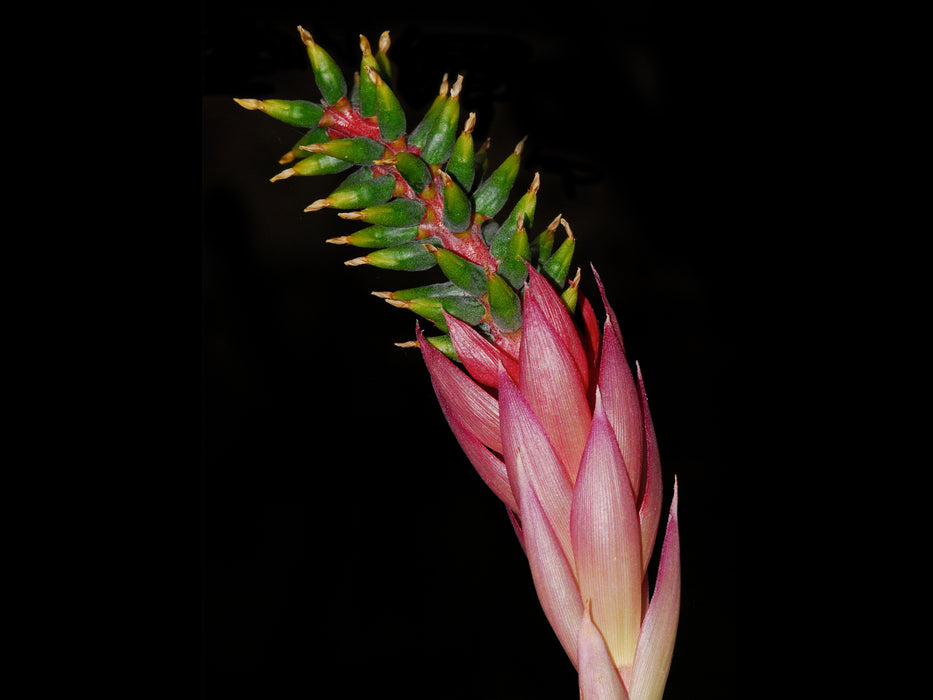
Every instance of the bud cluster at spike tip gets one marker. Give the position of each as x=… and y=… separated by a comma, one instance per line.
x=427, y=184
x=538, y=393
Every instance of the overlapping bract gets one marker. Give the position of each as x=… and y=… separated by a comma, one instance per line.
x=538, y=393
x=564, y=438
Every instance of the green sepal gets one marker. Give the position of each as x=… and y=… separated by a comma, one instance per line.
x=362, y=193
x=443, y=132
x=524, y=209
x=458, y=209
x=505, y=307
x=399, y=212
x=468, y=309
x=419, y=134
x=389, y=112
x=429, y=291
x=465, y=274
x=414, y=170
x=512, y=266
x=557, y=266
x=462, y=163
x=327, y=74
x=382, y=236
x=408, y=257
x=492, y=194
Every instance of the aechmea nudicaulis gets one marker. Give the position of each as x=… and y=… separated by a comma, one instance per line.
x=537, y=391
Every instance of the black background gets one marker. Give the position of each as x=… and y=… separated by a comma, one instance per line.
x=345, y=537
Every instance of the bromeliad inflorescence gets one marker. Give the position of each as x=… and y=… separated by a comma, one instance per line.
x=538, y=393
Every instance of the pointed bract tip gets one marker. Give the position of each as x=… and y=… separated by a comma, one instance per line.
x=284, y=175
x=313, y=147
x=386, y=161
x=458, y=86
x=384, y=41
x=408, y=344
x=319, y=204
x=430, y=248
x=356, y=262
x=383, y=295
x=520, y=147
x=575, y=282
x=352, y=215
x=470, y=123
x=563, y=222
x=339, y=240
x=552, y=227
x=305, y=35
x=444, y=87
x=248, y=103
x=400, y=303
x=365, y=48
x=535, y=183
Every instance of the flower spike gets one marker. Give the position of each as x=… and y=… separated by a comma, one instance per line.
x=535, y=386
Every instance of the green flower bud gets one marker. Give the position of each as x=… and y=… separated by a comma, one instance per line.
x=316, y=135
x=458, y=209
x=314, y=164
x=367, y=89
x=440, y=139
x=462, y=164
x=481, y=161
x=382, y=57
x=294, y=112
x=542, y=246
x=397, y=212
x=414, y=170
x=468, y=309
x=504, y=305
x=427, y=291
x=494, y=191
x=389, y=112
x=465, y=274
x=409, y=257
x=378, y=237
x=357, y=193
x=327, y=75
x=419, y=134
x=359, y=150
x=512, y=266
x=570, y=295
x=524, y=210
x=557, y=266
x=445, y=345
